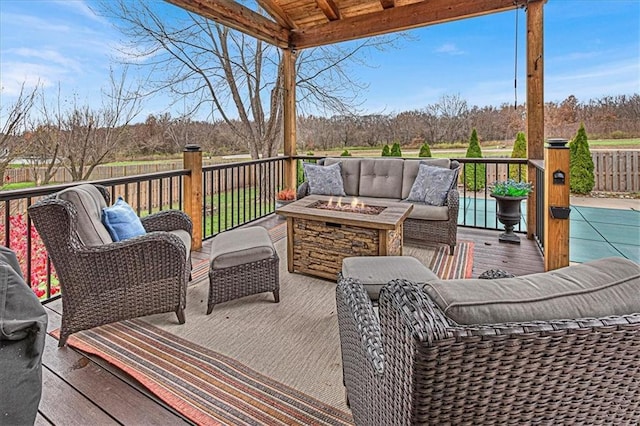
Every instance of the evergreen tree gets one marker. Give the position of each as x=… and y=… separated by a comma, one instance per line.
x=395, y=150
x=345, y=153
x=425, y=151
x=519, y=172
x=474, y=173
x=581, y=177
x=386, y=152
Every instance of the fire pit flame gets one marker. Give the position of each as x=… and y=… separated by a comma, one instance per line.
x=354, y=206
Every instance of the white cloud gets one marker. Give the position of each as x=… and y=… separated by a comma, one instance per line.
x=81, y=8
x=46, y=55
x=449, y=49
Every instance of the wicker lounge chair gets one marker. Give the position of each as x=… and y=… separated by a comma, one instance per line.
x=104, y=281
x=415, y=365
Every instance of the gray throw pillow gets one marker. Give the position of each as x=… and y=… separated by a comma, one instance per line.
x=438, y=183
x=419, y=187
x=324, y=180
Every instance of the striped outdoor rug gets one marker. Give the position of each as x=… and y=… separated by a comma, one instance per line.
x=460, y=265
x=209, y=387
x=203, y=385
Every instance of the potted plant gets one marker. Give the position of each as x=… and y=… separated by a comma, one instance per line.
x=285, y=197
x=508, y=195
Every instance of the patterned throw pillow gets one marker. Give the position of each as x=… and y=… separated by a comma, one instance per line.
x=419, y=187
x=121, y=221
x=324, y=180
x=439, y=182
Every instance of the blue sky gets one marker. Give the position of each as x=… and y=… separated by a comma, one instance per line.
x=592, y=49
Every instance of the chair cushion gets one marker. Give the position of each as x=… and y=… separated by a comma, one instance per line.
x=89, y=203
x=350, y=170
x=376, y=271
x=324, y=180
x=594, y=289
x=121, y=221
x=185, y=237
x=240, y=246
x=381, y=177
x=411, y=168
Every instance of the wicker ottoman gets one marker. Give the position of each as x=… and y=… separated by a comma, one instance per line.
x=376, y=271
x=242, y=262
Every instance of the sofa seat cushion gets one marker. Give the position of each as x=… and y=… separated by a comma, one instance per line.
x=350, y=170
x=374, y=272
x=594, y=289
x=89, y=202
x=424, y=211
x=381, y=177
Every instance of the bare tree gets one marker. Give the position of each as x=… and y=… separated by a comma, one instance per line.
x=231, y=74
x=14, y=119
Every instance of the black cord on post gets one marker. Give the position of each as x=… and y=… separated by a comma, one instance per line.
x=515, y=72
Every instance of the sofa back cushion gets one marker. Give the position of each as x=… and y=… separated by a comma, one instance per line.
x=350, y=173
x=411, y=168
x=381, y=177
x=89, y=203
x=594, y=289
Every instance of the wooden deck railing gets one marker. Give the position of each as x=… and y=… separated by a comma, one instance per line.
x=232, y=195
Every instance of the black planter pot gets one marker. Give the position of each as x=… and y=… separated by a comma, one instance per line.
x=508, y=212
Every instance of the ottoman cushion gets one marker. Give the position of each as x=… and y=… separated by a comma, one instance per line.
x=240, y=246
x=376, y=271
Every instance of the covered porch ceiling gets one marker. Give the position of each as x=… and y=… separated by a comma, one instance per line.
x=300, y=24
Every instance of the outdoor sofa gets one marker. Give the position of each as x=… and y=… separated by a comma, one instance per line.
x=393, y=179
x=561, y=347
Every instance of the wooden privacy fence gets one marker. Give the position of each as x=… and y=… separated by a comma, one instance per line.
x=616, y=171
x=146, y=195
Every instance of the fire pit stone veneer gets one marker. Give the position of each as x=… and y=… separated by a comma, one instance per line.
x=319, y=237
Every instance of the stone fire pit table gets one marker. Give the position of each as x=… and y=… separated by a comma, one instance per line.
x=318, y=238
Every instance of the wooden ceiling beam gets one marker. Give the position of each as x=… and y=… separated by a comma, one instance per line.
x=236, y=16
x=329, y=8
x=276, y=12
x=387, y=4
x=426, y=12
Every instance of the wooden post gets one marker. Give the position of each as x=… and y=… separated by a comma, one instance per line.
x=535, y=102
x=192, y=192
x=556, y=206
x=289, y=110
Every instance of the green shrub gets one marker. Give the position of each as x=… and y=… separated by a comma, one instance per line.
x=300, y=173
x=519, y=172
x=425, y=151
x=386, y=152
x=345, y=153
x=474, y=173
x=395, y=150
x=581, y=166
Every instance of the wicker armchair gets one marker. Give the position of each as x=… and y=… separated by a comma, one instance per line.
x=415, y=366
x=105, y=283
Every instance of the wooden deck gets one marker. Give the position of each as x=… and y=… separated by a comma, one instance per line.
x=79, y=390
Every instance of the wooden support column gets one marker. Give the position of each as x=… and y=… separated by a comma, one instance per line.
x=556, y=207
x=535, y=102
x=192, y=192
x=289, y=114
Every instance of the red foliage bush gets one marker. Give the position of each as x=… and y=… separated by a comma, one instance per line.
x=18, y=243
